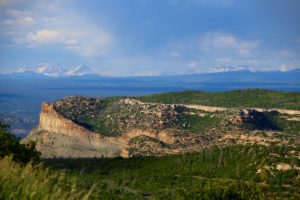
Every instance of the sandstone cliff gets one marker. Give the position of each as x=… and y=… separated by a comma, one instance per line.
x=92, y=127
x=61, y=137
x=58, y=136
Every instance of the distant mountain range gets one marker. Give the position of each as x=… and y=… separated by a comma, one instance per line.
x=221, y=72
x=22, y=92
x=54, y=70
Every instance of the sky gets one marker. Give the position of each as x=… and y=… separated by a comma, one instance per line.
x=150, y=37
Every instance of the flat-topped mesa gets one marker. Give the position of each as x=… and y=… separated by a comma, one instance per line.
x=129, y=127
x=59, y=134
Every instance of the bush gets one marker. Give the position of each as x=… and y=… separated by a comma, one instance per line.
x=9, y=144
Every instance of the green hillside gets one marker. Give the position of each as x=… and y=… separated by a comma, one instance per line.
x=236, y=172
x=236, y=98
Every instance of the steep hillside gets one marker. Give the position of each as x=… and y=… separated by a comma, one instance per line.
x=96, y=127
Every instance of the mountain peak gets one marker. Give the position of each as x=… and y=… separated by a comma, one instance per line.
x=56, y=70
x=80, y=70
x=229, y=69
x=53, y=70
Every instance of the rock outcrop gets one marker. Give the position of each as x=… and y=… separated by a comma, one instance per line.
x=94, y=127
x=57, y=136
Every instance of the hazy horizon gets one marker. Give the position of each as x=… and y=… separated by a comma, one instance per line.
x=146, y=37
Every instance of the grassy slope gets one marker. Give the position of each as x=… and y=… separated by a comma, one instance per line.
x=215, y=173
x=236, y=98
x=28, y=181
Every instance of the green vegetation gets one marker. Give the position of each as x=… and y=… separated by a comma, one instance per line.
x=289, y=126
x=10, y=145
x=212, y=173
x=22, y=176
x=198, y=124
x=100, y=123
x=233, y=172
x=19, y=181
x=111, y=117
x=224, y=172
x=272, y=121
x=92, y=113
x=237, y=98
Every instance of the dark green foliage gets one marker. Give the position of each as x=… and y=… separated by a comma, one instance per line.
x=9, y=144
x=91, y=113
x=262, y=120
x=289, y=126
x=208, y=190
x=271, y=121
x=237, y=98
x=212, y=173
x=196, y=123
x=100, y=123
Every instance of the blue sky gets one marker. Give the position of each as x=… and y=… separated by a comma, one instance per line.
x=150, y=37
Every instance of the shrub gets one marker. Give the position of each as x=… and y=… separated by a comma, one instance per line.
x=9, y=144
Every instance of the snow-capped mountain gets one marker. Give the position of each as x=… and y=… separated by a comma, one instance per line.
x=80, y=70
x=219, y=69
x=55, y=70
x=228, y=69
x=51, y=70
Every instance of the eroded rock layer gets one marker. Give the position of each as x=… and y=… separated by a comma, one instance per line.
x=93, y=127
x=59, y=136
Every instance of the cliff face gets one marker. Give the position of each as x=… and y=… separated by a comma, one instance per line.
x=52, y=121
x=90, y=127
x=61, y=137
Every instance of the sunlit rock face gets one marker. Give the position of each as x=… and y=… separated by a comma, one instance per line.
x=57, y=136
x=60, y=136
x=94, y=127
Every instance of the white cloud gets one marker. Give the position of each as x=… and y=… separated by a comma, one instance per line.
x=24, y=21
x=89, y=44
x=17, y=18
x=286, y=67
x=285, y=53
x=48, y=24
x=214, y=49
x=15, y=12
x=190, y=55
x=222, y=42
x=43, y=37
